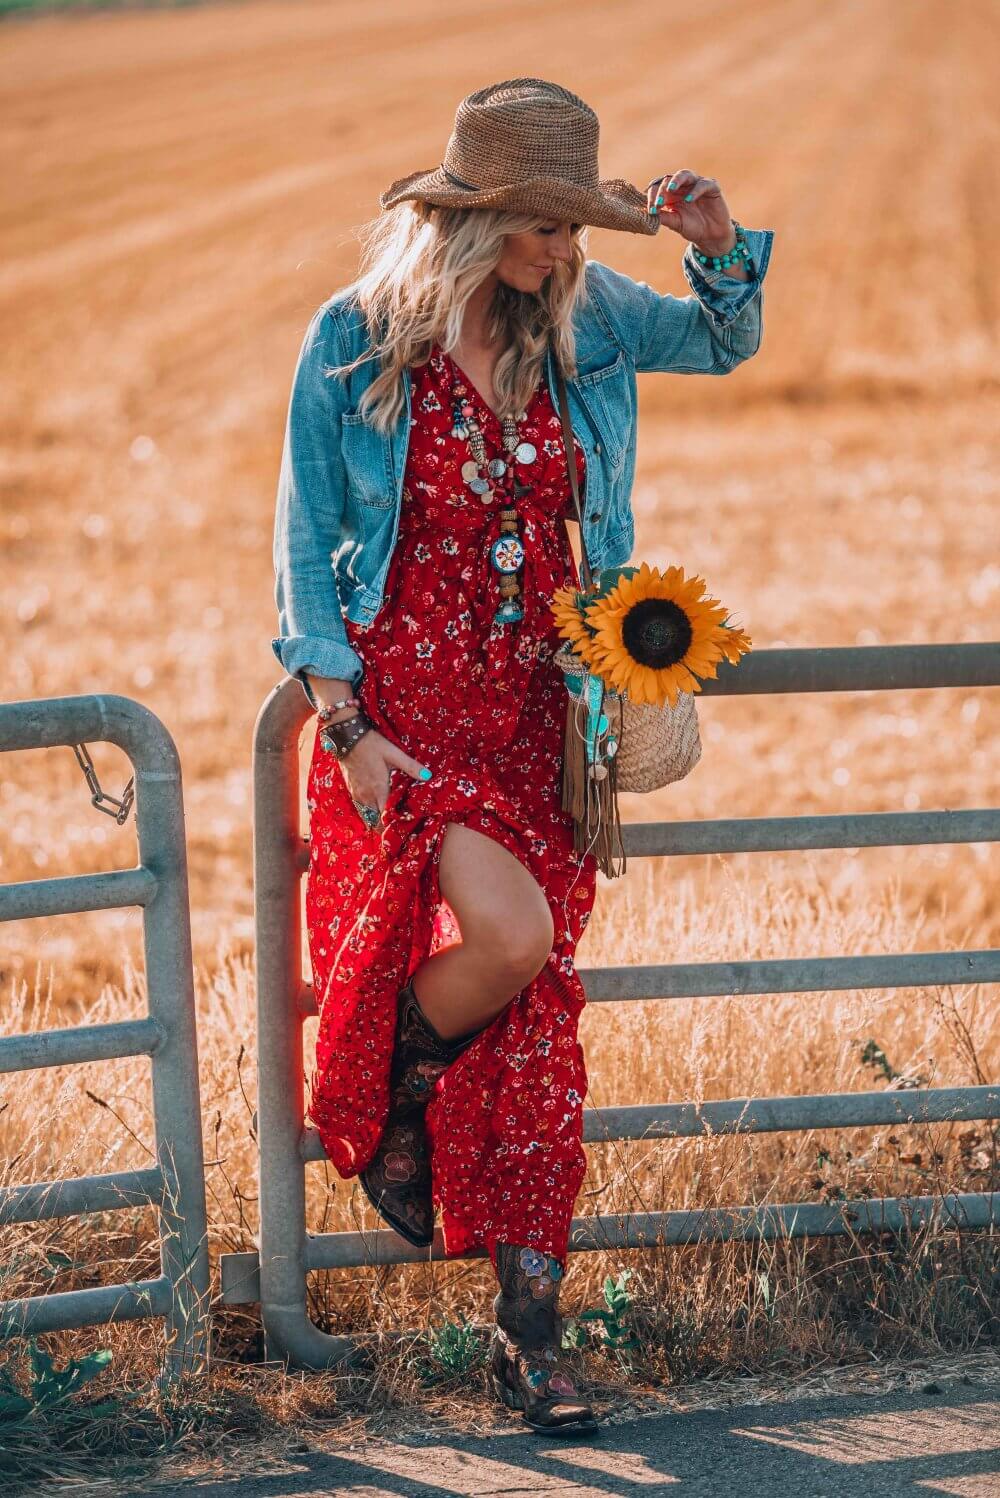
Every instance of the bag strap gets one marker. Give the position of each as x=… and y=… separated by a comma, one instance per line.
x=567, y=428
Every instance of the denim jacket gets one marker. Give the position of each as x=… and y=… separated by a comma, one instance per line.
x=341, y=481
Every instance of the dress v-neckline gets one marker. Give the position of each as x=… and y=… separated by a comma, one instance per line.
x=474, y=388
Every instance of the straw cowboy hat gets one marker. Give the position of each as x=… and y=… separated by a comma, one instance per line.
x=528, y=145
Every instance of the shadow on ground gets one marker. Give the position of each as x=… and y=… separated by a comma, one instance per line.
x=923, y=1444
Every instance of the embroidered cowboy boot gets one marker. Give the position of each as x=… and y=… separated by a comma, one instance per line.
x=526, y=1365
x=397, y=1180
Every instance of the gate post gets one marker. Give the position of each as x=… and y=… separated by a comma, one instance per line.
x=280, y=858
x=169, y=958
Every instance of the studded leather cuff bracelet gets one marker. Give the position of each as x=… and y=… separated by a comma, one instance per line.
x=341, y=737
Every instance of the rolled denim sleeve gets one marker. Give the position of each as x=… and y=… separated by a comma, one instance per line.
x=308, y=514
x=724, y=297
x=710, y=332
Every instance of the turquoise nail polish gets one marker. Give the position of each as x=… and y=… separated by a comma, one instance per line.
x=658, y=202
x=425, y=774
x=688, y=198
x=671, y=186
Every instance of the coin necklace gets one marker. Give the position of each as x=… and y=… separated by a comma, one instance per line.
x=507, y=551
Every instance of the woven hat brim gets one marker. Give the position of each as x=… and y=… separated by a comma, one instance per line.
x=614, y=204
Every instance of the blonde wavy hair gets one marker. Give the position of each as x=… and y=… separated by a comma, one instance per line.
x=419, y=266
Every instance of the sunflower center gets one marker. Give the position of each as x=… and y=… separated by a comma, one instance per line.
x=656, y=632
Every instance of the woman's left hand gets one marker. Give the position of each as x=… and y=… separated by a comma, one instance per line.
x=705, y=220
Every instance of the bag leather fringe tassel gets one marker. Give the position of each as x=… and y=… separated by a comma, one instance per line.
x=593, y=804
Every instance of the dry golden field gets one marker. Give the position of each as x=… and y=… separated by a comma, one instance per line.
x=181, y=188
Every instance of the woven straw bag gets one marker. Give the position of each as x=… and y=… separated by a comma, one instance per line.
x=656, y=745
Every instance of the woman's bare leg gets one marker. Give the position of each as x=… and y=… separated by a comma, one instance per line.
x=507, y=934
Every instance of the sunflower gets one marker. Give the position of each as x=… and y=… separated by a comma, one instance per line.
x=734, y=643
x=569, y=607
x=654, y=634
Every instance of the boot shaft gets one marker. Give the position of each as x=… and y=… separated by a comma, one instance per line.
x=397, y=1179
x=527, y=1303
x=420, y=1054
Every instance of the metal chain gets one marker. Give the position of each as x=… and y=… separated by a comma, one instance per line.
x=110, y=805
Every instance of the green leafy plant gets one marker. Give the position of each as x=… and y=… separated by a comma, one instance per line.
x=613, y=1318
x=47, y=1429
x=48, y=1385
x=451, y=1350
x=873, y=1056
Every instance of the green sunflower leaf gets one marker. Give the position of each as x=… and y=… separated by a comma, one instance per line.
x=610, y=577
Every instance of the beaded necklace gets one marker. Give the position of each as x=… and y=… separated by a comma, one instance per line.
x=507, y=551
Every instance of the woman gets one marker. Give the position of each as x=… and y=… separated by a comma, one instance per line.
x=419, y=537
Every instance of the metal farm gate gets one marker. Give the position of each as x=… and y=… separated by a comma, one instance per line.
x=166, y=1033
x=276, y=1276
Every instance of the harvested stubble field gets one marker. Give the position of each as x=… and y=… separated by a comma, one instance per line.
x=181, y=188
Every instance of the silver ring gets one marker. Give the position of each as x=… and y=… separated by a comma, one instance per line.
x=370, y=815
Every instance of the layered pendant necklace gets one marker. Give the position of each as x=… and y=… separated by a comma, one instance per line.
x=507, y=551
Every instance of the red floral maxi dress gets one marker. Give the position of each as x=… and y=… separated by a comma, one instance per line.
x=484, y=707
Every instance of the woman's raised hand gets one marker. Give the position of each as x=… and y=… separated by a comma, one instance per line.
x=694, y=207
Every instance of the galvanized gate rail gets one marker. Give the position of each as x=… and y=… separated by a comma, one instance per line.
x=159, y=886
x=277, y=1275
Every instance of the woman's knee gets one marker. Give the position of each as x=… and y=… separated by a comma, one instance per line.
x=517, y=940
x=500, y=907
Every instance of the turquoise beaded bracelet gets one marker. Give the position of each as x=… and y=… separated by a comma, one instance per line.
x=740, y=251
